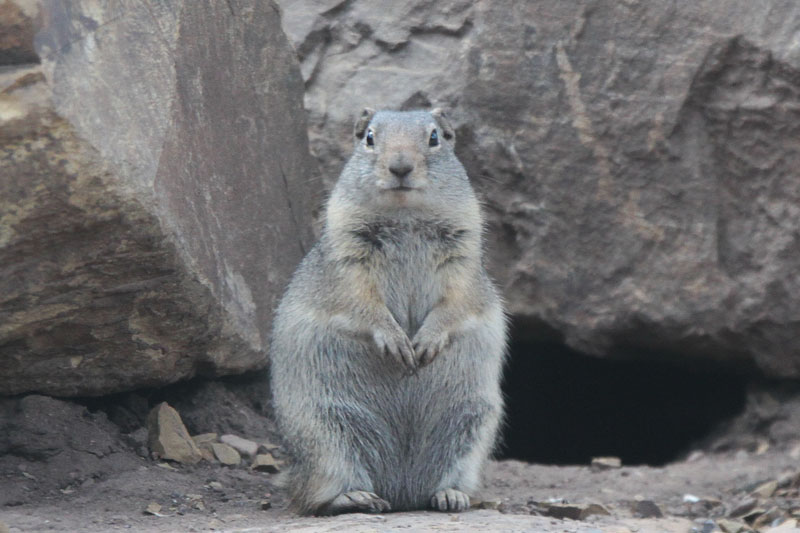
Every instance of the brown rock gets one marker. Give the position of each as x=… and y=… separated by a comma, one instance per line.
x=680, y=236
x=155, y=195
x=204, y=443
x=167, y=436
x=242, y=445
x=226, y=455
x=208, y=454
x=265, y=462
x=205, y=439
x=153, y=509
x=766, y=490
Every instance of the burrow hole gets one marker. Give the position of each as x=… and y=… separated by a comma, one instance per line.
x=564, y=407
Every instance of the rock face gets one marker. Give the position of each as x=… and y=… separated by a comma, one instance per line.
x=155, y=190
x=638, y=159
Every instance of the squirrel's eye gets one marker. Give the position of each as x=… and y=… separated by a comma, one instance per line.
x=434, y=140
x=370, y=138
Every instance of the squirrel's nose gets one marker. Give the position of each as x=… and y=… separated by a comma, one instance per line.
x=401, y=169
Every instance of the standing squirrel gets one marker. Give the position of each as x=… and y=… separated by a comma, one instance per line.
x=388, y=346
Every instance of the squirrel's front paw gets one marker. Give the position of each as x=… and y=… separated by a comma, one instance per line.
x=397, y=344
x=427, y=345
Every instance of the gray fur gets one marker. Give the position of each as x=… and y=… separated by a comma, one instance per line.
x=388, y=345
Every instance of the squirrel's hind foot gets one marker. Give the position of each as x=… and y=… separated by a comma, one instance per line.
x=450, y=500
x=357, y=501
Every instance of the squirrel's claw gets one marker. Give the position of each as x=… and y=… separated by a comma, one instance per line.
x=397, y=345
x=427, y=346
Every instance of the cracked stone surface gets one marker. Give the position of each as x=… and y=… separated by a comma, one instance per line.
x=637, y=159
x=155, y=190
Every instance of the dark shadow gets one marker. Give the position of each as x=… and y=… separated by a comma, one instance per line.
x=564, y=407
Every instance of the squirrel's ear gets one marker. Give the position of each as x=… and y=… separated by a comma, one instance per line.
x=447, y=129
x=363, y=121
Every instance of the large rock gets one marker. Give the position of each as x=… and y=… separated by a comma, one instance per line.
x=155, y=190
x=639, y=160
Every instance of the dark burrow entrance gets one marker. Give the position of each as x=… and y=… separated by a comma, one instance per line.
x=564, y=407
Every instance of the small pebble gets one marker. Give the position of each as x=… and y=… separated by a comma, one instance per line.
x=605, y=463
x=264, y=462
x=765, y=490
x=492, y=505
x=153, y=509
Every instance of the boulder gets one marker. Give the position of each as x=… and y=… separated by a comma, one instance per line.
x=155, y=190
x=638, y=160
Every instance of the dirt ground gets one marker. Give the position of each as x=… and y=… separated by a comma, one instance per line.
x=64, y=467
x=190, y=503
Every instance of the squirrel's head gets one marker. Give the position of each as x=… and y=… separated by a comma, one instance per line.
x=404, y=159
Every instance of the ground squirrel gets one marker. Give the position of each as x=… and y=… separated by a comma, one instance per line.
x=388, y=345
